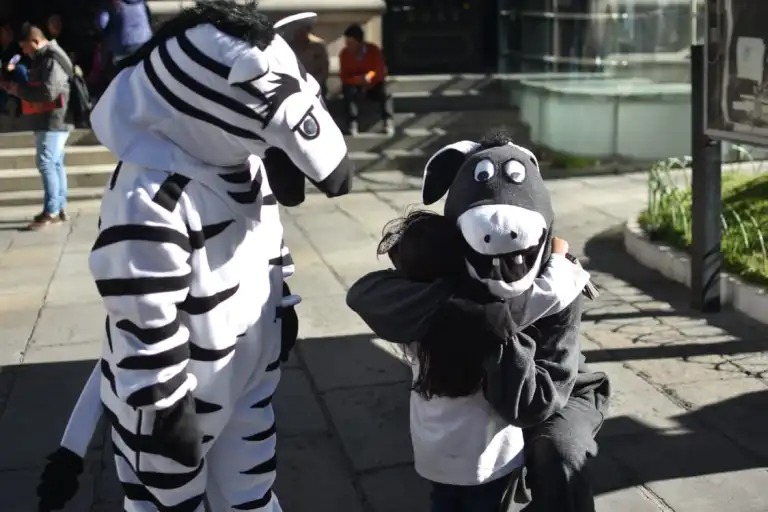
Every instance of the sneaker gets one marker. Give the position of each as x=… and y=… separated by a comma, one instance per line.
x=353, y=130
x=43, y=221
x=388, y=128
x=63, y=217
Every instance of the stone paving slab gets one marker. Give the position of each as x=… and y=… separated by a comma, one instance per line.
x=74, y=323
x=687, y=430
x=725, y=479
x=37, y=411
x=372, y=422
x=350, y=361
x=17, y=492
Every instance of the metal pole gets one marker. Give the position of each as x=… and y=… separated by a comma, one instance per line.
x=694, y=21
x=706, y=257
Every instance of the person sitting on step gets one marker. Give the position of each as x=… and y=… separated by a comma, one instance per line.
x=363, y=75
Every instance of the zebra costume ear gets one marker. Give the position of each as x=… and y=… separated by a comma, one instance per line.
x=284, y=24
x=249, y=66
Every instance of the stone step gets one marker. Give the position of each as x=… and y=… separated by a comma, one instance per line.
x=414, y=138
x=78, y=176
x=26, y=139
x=24, y=158
x=35, y=197
x=427, y=139
x=467, y=121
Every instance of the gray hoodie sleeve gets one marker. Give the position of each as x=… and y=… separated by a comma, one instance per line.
x=532, y=379
x=53, y=81
x=396, y=309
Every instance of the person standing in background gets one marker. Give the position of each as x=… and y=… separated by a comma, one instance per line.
x=54, y=25
x=64, y=37
x=312, y=53
x=13, y=64
x=363, y=75
x=44, y=98
x=126, y=26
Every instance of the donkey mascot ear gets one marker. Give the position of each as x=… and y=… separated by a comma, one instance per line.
x=442, y=169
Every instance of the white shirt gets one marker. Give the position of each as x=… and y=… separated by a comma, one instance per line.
x=463, y=441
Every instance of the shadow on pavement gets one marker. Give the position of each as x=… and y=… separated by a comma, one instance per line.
x=364, y=400
x=725, y=333
x=657, y=326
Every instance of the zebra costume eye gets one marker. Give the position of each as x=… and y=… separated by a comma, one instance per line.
x=308, y=127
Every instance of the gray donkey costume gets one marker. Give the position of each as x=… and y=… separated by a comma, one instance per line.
x=498, y=200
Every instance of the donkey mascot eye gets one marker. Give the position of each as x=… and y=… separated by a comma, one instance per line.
x=515, y=171
x=484, y=171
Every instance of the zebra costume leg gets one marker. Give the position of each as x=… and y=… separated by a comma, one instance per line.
x=243, y=460
x=239, y=464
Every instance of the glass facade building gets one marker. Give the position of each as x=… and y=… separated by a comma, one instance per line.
x=595, y=35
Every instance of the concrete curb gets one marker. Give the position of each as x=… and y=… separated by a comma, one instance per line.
x=674, y=264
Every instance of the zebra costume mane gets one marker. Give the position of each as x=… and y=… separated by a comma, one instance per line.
x=213, y=86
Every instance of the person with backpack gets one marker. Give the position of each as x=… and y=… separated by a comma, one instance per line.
x=45, y=98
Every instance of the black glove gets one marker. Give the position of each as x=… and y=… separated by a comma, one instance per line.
x=176, y=429
x=58, y=483
x=289, y=332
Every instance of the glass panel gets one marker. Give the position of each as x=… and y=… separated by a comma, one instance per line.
x=632, y=55
x=634, y=35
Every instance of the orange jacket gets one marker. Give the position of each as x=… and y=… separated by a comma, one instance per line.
x=353, y=69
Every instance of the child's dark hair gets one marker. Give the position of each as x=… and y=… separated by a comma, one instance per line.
x=424, y=245
x=450, y=366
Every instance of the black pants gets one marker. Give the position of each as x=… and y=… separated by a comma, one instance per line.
x=556, y=456
x=353, y=94
x=468, y=498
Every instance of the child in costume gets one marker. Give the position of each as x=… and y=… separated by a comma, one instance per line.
x=460, y=443
x=189, y=269
x=535, y=379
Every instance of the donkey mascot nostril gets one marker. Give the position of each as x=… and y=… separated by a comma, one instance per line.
x=214, y=122
x=546, y=402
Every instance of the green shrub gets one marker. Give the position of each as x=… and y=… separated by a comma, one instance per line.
x=744, y=218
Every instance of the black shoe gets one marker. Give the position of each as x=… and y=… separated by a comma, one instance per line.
x=63, y=217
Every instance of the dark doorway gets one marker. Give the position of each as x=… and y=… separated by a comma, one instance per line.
x=440, y=36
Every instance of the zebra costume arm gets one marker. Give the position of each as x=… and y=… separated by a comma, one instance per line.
x=140, y=264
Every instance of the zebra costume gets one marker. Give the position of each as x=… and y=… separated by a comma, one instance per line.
x=189, y=259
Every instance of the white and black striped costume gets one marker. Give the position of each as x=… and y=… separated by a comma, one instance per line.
x=189, y=259
x=222, y=337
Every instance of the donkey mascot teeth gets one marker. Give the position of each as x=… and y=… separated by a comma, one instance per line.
x=502, y=207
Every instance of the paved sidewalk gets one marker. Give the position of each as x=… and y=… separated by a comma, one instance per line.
x=688, y=430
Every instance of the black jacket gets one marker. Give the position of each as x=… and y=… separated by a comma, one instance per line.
x=536, y=371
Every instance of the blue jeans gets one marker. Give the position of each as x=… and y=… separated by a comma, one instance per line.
x=469, y=498
x=50, y=163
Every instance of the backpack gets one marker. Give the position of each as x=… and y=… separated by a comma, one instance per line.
x=79, y=104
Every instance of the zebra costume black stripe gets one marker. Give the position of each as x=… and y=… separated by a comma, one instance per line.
x=189, y=259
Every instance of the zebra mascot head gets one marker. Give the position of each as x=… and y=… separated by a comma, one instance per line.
x=215, y=85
